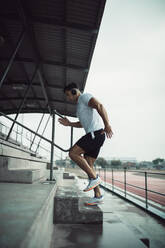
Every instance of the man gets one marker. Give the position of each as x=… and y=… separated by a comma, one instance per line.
x=94, y=119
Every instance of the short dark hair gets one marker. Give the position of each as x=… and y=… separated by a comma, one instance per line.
x=70, y=87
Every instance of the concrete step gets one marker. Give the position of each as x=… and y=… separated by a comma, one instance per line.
x=87, y=226
x=19, y=166
x=67, y=175
x=69, y=208
x=26, y=215
x=22, y=176
x=90, y=214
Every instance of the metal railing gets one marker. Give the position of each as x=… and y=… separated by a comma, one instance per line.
x=16, y=134
x=141, y=191
x=21, y=139
x=37, y=134
x=49, y=141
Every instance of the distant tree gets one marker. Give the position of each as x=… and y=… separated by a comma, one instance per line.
x=60, y=162
x=101, y=162
x=109, y=163
x=72, y=163
x=116, y=163
x=157, y=161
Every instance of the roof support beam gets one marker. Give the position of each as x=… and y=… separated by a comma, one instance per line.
x=39, y=111
x=21, y=65
x=22, y=103
x=49, y=62
x=13, y=56
x=42, y=133
x=36, y=131
x=32, y=99
x=24, y=83
x=2, y=93
x=65, y=47
x=66, y=25
x=30, y=33
x=56, y=23
x=44, y=90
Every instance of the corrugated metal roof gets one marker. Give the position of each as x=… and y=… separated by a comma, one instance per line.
x=57, y=49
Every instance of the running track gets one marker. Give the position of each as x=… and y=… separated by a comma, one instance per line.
x=154, y=184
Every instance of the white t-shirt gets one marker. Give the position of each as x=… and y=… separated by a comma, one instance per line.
x=89, y=118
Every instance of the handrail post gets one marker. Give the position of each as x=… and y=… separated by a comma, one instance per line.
x=112, y=181
x=104, y=176
x=30, y=140
x=52, y=147
x=17, y=134
x=125, y=183
x=146, y=190
x=71, y=138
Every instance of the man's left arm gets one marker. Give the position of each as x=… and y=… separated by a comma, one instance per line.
x=94, y=103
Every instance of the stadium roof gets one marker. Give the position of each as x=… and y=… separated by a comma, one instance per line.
x=45, y=45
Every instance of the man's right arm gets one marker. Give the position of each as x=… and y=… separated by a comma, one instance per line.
x=66, y=122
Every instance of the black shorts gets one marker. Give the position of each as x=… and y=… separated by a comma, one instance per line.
x=92, y=146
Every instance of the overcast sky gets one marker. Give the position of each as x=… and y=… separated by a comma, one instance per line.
x=127, y=75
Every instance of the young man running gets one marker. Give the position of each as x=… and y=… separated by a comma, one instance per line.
x=94, y=119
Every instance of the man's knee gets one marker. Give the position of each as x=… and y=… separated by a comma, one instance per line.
x=75, y=151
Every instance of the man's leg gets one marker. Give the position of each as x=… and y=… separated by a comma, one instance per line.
x=91, y=161
x=75, y=154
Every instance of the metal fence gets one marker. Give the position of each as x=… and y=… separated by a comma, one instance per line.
x=145, y=188
x=21, y=138
x=51, y=141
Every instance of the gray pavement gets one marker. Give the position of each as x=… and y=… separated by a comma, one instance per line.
x=124, y=225
x=20, y=205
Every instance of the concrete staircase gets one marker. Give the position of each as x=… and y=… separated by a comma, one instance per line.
x=30, y=216
x=26, y=215
x=69, y=208
x=20, y=166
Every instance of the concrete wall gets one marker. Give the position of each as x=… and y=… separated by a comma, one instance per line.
x=17, y=166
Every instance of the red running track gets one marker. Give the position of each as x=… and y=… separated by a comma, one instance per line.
x=154, y=184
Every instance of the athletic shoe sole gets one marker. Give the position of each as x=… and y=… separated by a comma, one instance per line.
x=86, y=190
x=93, y=203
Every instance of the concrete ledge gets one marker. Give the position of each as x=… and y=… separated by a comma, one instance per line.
x=40, y=233
x=26, y=215
x=22, y=176
x=70, y=208
x=66, y=175
x=18, y=167
x=90, y=214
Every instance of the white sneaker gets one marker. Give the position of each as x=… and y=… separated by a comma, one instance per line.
x=95, y=201
x=93, y=183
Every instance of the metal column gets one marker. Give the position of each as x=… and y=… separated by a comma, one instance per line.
x=112, y=181
x=42, y=133
x=23, y=101
x=12, y=57
x=125, y=182
x=44, y=90
x=146, y=190
x=37, y=131
x=52, y=147
x=71, y=138
x=105, y=175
